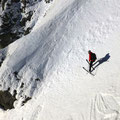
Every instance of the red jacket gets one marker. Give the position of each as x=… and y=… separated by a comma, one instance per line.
x=90, y=56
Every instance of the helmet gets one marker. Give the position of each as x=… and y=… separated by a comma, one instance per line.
x=89, y=51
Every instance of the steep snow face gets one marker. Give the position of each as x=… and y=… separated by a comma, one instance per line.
x=47, y=64
x=17, y=18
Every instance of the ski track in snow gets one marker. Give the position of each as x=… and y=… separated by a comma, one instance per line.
x=57, y=56
x=105, y=107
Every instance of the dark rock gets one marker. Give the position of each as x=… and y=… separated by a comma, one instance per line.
x=48, y=1
x=27, y=31
x=22, y=85
x=37, y=79
x=15, y=1
x=26, y=100
x=14, y=93
x=6, y=100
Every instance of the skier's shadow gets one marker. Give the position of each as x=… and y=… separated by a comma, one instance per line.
x=101, y=60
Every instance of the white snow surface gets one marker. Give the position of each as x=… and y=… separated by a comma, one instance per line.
x=55, y=52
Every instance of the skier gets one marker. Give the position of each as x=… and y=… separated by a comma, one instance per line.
x=92, y=58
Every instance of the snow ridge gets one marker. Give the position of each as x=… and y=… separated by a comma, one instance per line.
x=47, y=64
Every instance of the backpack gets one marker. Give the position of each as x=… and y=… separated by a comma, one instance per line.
x=93, y=56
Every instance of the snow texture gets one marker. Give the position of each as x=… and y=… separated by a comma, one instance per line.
x=49, y=62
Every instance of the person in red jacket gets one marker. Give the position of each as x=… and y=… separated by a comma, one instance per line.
x=92, y=58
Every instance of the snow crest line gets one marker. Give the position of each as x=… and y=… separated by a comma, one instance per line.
x=105, y=107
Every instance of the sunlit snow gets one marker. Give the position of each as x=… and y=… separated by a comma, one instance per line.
x=49, y=62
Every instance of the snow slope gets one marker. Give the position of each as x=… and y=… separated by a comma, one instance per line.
x=49, y=62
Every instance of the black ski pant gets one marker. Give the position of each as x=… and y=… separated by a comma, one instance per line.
x=90, y=66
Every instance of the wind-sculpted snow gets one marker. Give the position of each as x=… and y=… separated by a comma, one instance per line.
x=105, y=107
x=46, y=65
x=17, y=18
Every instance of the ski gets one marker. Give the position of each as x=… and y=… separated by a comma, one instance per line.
x=88, y=71
x=89, y=63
